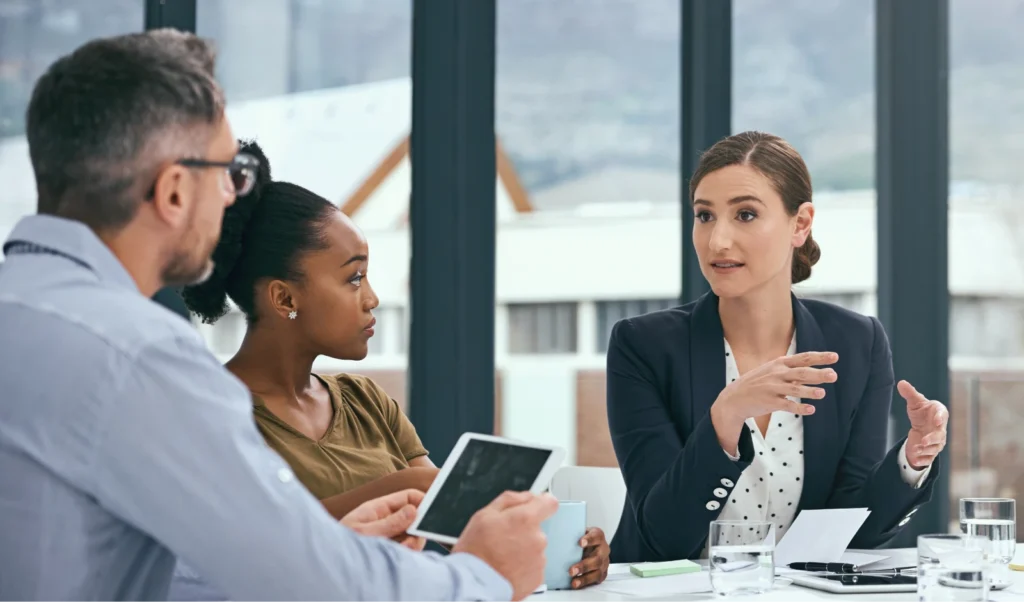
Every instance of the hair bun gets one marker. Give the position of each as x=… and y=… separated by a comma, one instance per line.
x=250, y=147
x=208, y=299
x=804, y=259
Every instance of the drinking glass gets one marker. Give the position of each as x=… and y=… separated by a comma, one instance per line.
x=994, y=519
x=741, y=557
x=952, y=568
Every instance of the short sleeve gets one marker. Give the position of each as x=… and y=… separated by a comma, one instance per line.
x=399, y=424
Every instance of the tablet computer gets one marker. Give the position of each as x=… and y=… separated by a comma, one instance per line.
x=856, y=584
x=479, y=469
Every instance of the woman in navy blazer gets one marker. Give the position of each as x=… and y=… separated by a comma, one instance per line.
x=685, y=438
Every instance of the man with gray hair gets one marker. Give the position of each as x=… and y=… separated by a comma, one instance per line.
x=123, y=442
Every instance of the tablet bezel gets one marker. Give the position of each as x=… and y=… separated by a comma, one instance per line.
x=540, y=483
x=835, y=587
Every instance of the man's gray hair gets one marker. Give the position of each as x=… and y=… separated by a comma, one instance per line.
x=103, y=119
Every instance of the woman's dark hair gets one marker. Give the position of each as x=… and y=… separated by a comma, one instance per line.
x=776, y=160
x=263, y=236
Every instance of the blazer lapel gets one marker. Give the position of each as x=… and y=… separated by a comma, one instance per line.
x=821, y=429
x=707, y=356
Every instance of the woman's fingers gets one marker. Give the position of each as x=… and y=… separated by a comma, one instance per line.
x=794, y=407
x=800, y=391
x=811, y=358
x=810, y=376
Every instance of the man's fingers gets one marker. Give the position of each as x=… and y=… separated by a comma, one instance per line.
x=415, y=544
x=391, y=525
x=399, y=499
x=510, y=499
x=811, y=358
x=537, y=509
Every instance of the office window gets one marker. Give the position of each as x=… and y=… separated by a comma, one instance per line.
x=587, y=115
x=986, y=256
x=324, y=87
x=227, y=333
x=986, y=327
x=805, y=71
x=33, y=34
x=541, y=328
x=390, y=332
x=610, y=312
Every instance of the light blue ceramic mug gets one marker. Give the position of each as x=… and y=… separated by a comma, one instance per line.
x=564, y=531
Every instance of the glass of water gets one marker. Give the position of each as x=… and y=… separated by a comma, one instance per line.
x=952, y=568
x=741, y=557
x=994, y=519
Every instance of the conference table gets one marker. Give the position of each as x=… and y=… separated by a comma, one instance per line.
x=622, y=585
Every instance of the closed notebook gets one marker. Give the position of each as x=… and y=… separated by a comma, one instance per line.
x=660, y=569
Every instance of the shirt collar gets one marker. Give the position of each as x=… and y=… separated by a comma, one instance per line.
x=74, y=240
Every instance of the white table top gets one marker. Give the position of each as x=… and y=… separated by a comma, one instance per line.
x=619, y=578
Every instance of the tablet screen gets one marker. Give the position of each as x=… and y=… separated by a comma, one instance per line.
x=484, y=470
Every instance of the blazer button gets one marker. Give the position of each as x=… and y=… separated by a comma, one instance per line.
x=719, y=492
x=727, y=483
x=712, y=505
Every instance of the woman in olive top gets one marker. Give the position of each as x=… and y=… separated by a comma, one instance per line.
x=296, y=266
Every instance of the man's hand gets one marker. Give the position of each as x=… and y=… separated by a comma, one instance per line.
x=928, y=420
x=388, y=516
x=506, y=535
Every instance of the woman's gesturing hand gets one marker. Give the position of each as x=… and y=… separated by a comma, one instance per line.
x=765, y=389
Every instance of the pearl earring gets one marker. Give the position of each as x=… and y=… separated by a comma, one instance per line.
x=293, y=314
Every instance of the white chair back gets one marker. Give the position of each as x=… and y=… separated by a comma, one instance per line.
x=602, y=489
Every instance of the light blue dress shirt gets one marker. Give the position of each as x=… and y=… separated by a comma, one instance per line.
x=125, y=444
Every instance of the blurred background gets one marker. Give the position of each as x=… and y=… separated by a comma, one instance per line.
x=587, y=120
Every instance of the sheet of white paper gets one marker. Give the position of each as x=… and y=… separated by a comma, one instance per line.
x=862, y=559
x=669, y=585
x=819, y=535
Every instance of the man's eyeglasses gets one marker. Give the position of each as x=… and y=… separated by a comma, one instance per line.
x=241, y=171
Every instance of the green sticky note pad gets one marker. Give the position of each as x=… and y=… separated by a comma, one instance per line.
x=660, y=569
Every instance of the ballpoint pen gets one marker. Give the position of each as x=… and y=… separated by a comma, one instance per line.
x=833, y=568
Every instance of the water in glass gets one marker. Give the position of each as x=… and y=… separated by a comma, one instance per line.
x=994, y=519
x=952, y=568
x=741, y=557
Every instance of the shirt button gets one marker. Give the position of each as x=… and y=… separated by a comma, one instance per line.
x=727, y=483
x=712, y=505
x=285, y=475
x=719, y=492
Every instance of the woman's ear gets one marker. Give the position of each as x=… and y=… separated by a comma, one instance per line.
x=803, y=220
x=282, y=299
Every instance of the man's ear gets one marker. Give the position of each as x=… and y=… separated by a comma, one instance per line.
x=173, y=194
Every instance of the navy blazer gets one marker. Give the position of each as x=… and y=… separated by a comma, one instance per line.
x=665, y=370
